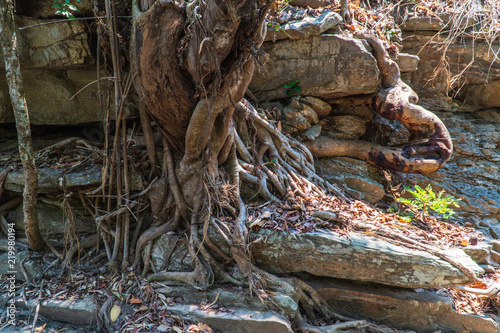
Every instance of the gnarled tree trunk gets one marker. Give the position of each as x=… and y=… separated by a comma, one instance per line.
x=193, y=63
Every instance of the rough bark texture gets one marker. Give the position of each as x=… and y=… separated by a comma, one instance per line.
x=16, y=90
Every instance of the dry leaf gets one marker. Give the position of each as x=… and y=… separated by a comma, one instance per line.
x=479, y=285
x=134, y=300
x=40, y=328
x=115, y=313
x=177, y=329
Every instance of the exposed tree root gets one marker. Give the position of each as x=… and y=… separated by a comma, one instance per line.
x=429, y=145
x=354, y=324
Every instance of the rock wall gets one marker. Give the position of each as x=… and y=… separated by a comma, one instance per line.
x=473, y=117
x=466, y=66
x=59, y=74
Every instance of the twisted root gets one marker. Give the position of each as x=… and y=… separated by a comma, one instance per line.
x=429, y=146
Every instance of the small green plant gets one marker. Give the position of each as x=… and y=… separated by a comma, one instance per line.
x=292, y=88
x=64, y=7
x=425, y=200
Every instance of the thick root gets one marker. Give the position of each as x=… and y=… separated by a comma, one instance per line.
x=429, y=146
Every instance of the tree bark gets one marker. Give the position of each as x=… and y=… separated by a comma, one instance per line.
x=16, y=90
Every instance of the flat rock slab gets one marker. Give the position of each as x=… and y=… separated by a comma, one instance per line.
x=327, y=66
x=360, y=258
x=230, y=298
x=422, y=311
x=241, y=321
x=50, y=180
x=73, y=311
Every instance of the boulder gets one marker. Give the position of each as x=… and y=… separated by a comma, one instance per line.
x=483, y=96
x=321, y=107
x=327, y=66
x=311, y=133
x=56, y=97
x=294, y=120
x=231, y=297
x=407, y=62
x=347, y=127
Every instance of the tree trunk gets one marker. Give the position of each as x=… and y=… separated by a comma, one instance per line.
x=16, y=90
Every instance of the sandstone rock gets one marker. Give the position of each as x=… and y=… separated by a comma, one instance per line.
x=229, y=297
x=45, y=9
x=422, y=311
x=54, y=99
x=311, y=133
x=73, y=311
x=483, y=96
x=308, y=27
x=321, y=107
x=372, y=191
x=358, y=258
x=347, y=127
x=241, y=321
x=407, y=62
x=170, y=252
x=480, y=198
x=490, y=115
x=480, y=253
x=294, y=120
x=310, y=3
x=310, y=115
x=327, y=66
x=53, y=45
x=469, y=60
x=53, y=221
x=50, y=181
x=33, y=265
x=495, y=256
x=21, y=243
x=422, y=24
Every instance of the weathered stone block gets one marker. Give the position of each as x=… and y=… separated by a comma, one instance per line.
x=327, y=66
x=422, y=311
x=359, y=258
